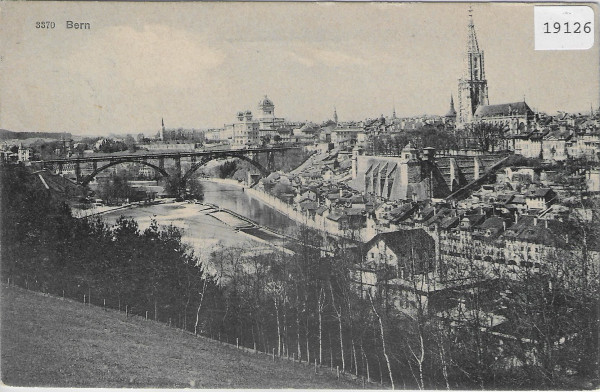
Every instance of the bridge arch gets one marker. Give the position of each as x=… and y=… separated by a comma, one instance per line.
x=93, y=174
x=207, y=159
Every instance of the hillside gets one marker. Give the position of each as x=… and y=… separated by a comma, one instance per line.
x=51, y=342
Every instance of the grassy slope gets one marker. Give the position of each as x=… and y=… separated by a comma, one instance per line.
x=47, y=341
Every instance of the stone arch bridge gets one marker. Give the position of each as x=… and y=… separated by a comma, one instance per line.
x=156, y=161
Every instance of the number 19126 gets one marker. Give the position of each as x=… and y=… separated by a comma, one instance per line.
x=567, y=28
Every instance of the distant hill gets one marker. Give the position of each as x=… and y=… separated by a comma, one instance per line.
x=8, y=135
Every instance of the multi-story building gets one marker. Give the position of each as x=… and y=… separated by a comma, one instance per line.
x=250, y=130
x=585, y=146
x=348, y=135
x=24, y=154
x=243, y=132
x=268, y=124
x=554, y=145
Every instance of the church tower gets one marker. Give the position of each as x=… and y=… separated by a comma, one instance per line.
x=335, y=116
x=472, y=86
x=450, y=117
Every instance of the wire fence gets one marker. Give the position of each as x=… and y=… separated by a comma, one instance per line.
x=87, y=298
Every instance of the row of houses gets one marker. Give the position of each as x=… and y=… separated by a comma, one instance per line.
x=558, y=145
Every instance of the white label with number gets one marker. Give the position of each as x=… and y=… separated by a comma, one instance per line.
x=563, y=27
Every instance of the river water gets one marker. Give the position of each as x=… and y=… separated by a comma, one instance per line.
x=235, y=199
x=204, y=232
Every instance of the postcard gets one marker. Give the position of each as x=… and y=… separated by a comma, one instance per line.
x=308, y=195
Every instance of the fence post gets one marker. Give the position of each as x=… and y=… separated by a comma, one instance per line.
x=237, y=343
x=63, y=294
x=104, y=303
x=169, y=321
x=338, y=371
x=146, y=315
x=89, y=296
x=273, y=351
x=315, y=365
x=126, y=311
x=84, y=299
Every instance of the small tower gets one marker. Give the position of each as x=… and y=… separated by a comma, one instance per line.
x=161, y=135
x=266, y=108
x=451, y=115
x=394, y=113
x=335, y=116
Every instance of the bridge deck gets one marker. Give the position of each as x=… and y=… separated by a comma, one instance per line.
x=181, y=154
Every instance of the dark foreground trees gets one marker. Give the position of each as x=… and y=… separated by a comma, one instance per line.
x=44, y=247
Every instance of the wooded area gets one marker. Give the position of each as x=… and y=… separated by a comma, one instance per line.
x=309, y=306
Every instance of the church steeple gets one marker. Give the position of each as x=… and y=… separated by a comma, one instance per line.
x=451, y=111
x=472, y=44
x=472, y=87
x=161, y=134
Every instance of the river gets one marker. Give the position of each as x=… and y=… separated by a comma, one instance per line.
x=235, y=199
x=201, y=228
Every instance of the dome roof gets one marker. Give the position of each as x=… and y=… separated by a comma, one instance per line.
x=248, y=112
x=266, y=102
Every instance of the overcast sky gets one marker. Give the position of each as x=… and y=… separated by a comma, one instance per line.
x=197, y=64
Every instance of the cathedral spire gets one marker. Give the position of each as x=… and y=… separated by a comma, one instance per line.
x=472, y=44
x=472, y=87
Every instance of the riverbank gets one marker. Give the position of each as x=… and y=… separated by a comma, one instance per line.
x=100, y=210
x=318, y=223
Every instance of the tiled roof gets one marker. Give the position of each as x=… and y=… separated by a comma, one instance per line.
x=540, y=192
x=504, y=109
x=402, y=241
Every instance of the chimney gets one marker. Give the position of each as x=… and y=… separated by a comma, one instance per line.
x=503, y=225
x=535, y=221
x=546, y=223
x=341, y=192
x=516, y=217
